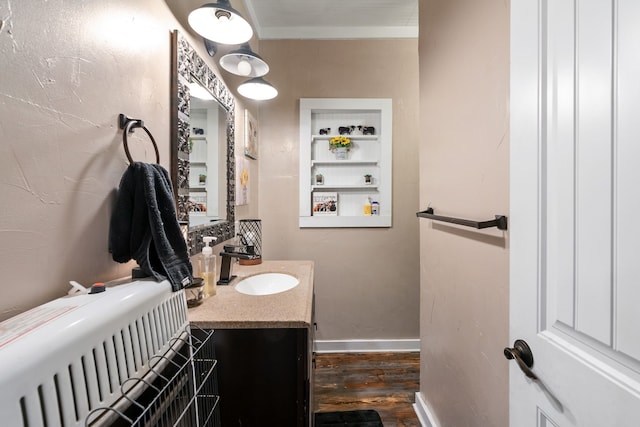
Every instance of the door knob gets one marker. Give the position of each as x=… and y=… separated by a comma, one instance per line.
x=521, y=352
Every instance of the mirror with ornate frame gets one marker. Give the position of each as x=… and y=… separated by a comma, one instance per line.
x=187, y=67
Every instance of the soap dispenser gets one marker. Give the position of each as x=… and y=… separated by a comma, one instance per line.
x=206, y=264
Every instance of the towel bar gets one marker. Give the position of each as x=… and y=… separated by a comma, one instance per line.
x=128, y=125
x=500, y=221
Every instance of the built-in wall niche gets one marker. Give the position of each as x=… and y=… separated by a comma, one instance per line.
x=336, y=191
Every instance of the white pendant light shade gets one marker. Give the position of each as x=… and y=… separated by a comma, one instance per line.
x=244, y=62
x=257, y=89
x=221, y=23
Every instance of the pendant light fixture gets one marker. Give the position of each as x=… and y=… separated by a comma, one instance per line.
x=211, y=47
x=257, y=89
x=221, y=23
x=244, y=62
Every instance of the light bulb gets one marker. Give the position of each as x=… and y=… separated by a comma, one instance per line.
x=244, y=67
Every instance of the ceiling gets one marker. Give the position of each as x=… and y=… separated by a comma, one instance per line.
x=319, y=19
x=333, y=19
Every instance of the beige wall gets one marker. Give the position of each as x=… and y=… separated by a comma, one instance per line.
x=366, y=280
x=67, y=70
x=464, y=86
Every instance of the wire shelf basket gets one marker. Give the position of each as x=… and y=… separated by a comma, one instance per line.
x=180, y=390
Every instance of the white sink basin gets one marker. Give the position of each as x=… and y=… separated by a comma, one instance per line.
x=267, y=284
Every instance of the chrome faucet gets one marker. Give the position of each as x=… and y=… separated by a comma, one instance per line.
x=228, y=252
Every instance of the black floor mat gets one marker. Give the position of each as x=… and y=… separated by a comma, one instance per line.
x=363, y=418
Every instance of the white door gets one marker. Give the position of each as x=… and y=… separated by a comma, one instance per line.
x=575, y=211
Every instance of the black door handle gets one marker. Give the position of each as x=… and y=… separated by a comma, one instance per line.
x=521, y=352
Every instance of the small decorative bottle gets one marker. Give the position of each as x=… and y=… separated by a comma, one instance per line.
x=367, y=207
x=375, y=208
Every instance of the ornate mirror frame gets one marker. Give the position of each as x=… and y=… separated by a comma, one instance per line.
x=187, y=65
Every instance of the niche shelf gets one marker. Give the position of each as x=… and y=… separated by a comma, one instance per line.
x=370, y=155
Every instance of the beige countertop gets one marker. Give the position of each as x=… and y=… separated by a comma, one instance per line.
x=229, y=309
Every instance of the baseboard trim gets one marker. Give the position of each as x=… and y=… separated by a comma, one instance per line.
x=423, y=412
x=366, y=346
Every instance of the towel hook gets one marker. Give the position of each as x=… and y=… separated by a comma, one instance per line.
x=128, y=125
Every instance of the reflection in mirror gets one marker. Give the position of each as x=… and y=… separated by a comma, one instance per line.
x=207, y=153
x=204, y=192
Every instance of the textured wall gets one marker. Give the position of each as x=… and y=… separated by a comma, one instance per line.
x=67, y=70
x=464, y=322
x=366, y=280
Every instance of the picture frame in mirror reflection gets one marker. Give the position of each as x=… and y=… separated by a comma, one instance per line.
x=250, y=135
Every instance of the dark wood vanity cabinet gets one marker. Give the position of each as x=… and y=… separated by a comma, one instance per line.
x=264, y=349
x=265, y=376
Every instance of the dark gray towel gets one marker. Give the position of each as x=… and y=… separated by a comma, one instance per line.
x=144, y=226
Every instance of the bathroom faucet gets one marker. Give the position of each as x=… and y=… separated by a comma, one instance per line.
x=229, y=251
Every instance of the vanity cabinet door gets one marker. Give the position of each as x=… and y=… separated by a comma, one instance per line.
x=263, y=376
x=311, y=363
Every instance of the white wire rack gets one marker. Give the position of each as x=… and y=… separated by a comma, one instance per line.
x=180, y=390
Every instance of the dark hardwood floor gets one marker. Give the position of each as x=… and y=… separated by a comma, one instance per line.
x=386, y=382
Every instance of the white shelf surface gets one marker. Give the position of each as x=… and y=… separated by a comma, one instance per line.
x=343, y=162
x=353, y=137
x=345, y=221
x=372, y=187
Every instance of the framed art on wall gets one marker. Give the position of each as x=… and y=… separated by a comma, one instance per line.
x=250, y=135
x=242, y=181
x=324, y=203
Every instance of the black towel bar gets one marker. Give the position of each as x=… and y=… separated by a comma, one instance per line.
x=500, y=221
x=128, y=125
